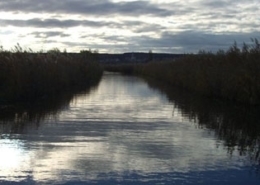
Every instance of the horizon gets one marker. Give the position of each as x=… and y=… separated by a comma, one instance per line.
x=125, y=26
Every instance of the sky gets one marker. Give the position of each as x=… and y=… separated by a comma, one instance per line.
x=117, y=26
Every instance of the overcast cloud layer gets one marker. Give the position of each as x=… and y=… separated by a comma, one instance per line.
x=126, y=25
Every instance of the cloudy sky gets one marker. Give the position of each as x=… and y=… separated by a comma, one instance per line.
x=128, y=25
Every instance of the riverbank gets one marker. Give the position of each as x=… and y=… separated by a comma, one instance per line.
x=233, y=75
x=27, y=76
x=237, y=125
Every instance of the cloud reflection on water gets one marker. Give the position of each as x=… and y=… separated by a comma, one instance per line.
x=122, y=132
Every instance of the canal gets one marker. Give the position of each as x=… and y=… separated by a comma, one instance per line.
x=130, y=131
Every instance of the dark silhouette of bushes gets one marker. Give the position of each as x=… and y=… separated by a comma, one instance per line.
x=21, y=117
x=26, y=76
x=127, y=69
x=233, y=74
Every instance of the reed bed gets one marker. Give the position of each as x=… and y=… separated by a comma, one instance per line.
x=27, y=76
x=233, y=74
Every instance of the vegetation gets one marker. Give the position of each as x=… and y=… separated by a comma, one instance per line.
x=233, y=74
x=26, y=76
x=238, y=126
x=127, y=69
x=17, y=118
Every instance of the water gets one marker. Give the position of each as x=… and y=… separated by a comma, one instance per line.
x=126, y=131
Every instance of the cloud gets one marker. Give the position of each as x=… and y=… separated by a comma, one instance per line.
x=130, y=25
x=48, y=34
x=217, y=4
x=226, y=4
x=193, y=41
x=136, y=26
x=54, y=23
x=181, y=42
x=97, y=8
x=149, y=28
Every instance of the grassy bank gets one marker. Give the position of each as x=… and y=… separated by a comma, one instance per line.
x=233, y=74
x=27, y=76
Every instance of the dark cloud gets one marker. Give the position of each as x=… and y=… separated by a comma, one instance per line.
x=136, y=26
x=115, y=39
x=55, y=23
x=193, y=41
x=85, y=7
x=189, y=41
x=217, y=4
x=149, y=28
x=182, y=42
x=226, y=4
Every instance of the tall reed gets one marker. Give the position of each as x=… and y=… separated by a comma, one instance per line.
x=26, y=76
x=233, y=74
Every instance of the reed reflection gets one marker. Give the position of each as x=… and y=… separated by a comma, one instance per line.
x=237, y=125
x=16, y=118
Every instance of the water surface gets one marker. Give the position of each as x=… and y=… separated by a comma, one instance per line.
x=126, y=131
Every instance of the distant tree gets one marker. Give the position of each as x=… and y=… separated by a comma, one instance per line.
x=150, y=55
x=54, y=51
x=85, y=51
x=89, y=54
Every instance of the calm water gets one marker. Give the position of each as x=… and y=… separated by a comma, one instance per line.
x=126, y=131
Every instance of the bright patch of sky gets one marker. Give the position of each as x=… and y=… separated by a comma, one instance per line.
x=126, y=25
